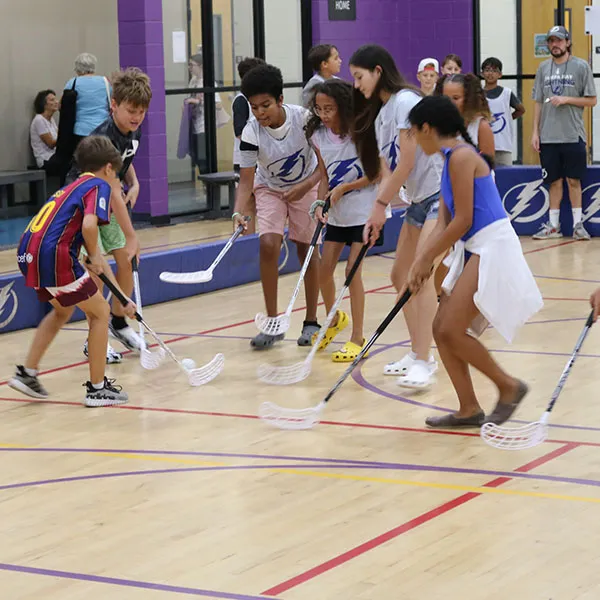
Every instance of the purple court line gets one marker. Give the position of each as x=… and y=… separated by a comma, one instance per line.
x=382, y=467
x=360, y=379
x=157, y=587
x=567, y=279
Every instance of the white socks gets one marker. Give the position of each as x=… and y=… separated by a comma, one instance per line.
x=555, y=218
x=98, y=386
x=576, y=216
x=31, y=372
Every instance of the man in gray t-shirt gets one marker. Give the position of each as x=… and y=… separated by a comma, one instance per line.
x=564, y=86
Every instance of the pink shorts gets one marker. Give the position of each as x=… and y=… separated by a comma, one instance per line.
x=71, y=294
x=272, y=212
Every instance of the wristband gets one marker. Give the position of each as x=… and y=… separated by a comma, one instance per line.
x=314, y=207
x=235, y=214
x=381, y=203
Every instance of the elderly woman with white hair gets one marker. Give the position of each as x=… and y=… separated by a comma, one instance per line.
x=93, y=95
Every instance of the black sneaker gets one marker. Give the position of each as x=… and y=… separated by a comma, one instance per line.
x=27, y=384
x=109, y=395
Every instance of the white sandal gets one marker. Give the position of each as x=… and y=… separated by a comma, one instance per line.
x=401, y=367
x=418, y=377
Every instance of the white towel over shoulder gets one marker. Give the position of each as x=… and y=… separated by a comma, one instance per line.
x=507, y=294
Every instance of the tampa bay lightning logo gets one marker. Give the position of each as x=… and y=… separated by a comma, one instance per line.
x=343, y=171
x=391, y=153
x=527, y=202
x=289, y=169
x=499, y=122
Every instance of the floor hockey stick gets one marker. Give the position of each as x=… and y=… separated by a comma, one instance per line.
x=196, y=376
x=280, y=324
x=533, y=434
x=207, y=275
x=307, y=418
x=299, y=371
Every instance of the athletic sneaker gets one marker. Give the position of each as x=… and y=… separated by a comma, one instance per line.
x=112, y=356
x=547, y=232
x=580, y=232
x=109, y=395
x=128, y=337
x=27, y=384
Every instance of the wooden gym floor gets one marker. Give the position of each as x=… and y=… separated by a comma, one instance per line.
x=184, y=492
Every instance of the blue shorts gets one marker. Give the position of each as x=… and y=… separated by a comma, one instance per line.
x=419, y=212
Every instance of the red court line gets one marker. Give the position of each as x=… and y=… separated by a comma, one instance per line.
x=185, y=337
x=550, y=247
x=408, y=526
x=207, y=413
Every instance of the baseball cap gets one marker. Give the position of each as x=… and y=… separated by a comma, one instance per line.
x=429, y=61
x=559, y=32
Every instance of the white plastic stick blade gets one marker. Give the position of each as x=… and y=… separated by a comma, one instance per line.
x=189, y=278
x=284, y=375
x=208, y=372
x=290, y=418
x=272, y=325
x=152, y=360
x=517, y=438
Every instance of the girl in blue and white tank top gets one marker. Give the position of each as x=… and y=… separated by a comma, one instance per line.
x=488, y=277
x=351, y=195
x=382, y=102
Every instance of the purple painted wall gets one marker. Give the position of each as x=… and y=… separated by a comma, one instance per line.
x=141, y=45
x=409, y=29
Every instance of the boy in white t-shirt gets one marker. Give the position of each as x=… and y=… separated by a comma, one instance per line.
x=278, y=164
x=326, y=62
x=505, y=108
x=428, y=74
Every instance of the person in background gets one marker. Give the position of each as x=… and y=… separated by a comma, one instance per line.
x=198, y=135
x=452, y=64
x=326, y=62
x=427, y=74
x=564, y=86
x=241, y=115
x=93, y=95
x=505, y=108
x=43, y=132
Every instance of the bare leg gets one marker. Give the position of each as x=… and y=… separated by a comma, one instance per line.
x=329, y=260
x=124, y=279
x=556, y=194
x=311, y=280
x=270, y=247
x=420, y=312
x=574, y=193
x=97, y=312
x=458, y=350
x=357, y=297
x=46, y=332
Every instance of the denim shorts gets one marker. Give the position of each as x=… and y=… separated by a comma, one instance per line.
x=419, y=212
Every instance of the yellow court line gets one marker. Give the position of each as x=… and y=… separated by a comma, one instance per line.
x=347, y=477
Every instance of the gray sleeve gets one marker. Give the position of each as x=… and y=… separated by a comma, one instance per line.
x=538, y=86
x=589, y=86
x=307, y=92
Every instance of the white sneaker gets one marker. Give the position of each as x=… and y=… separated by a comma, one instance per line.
x=580, y=232
x=128, y=337
x=112, y=356
x=547, y=232
x=402, y=366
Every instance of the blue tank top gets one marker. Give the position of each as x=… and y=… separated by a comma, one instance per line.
x=487, y=204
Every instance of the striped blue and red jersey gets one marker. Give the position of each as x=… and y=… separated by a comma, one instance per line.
x=49, y=248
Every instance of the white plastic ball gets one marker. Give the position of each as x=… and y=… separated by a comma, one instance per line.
x=188, y=363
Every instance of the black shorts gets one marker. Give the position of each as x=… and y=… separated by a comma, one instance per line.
x=348, y=235
x=561, y=161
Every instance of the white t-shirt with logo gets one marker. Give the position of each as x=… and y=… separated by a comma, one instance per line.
x=500, y=108
x=425, y=178
x=283, y=156
x=39, y=126
x=343, y=166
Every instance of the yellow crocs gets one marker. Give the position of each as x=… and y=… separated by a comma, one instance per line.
x=349, y=352
x=343, y=321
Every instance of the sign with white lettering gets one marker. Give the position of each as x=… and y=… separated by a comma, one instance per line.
x=342, y=10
